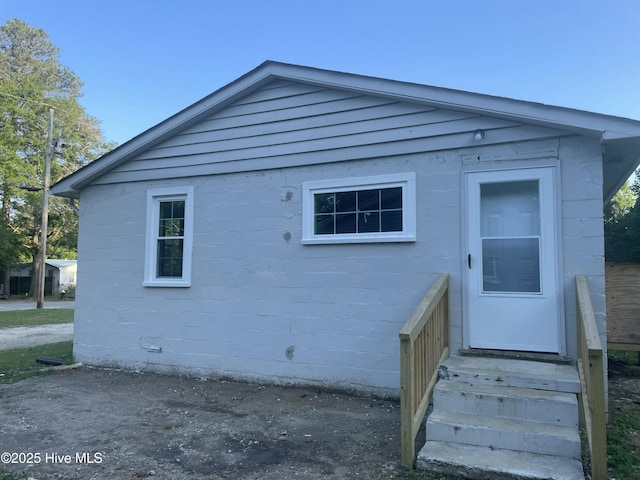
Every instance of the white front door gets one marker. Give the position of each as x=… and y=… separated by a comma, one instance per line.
x=512, y=286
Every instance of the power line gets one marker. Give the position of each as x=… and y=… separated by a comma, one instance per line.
x=34, y=101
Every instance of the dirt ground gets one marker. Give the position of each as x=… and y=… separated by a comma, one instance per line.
x=624, y=385
x=107, y=424
x=91, y=423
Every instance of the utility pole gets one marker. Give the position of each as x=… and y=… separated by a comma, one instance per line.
x=45, y=213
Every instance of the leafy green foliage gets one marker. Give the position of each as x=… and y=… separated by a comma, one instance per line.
x=33, y=80
x=622, y=225
x=10, y=244
x=31, y=317
x=621, y=203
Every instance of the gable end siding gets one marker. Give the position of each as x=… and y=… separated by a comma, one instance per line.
x=288, y=124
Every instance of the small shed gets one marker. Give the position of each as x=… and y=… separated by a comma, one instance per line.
x=59, y=275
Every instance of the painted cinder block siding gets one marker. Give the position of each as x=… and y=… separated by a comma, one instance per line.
x=582, y=227
x=264, y=306
x=261, y=304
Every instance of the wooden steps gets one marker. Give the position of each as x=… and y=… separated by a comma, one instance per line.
x=504, y=419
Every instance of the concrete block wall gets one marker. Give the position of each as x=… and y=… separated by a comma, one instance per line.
x=583, y=230
x=261, y=304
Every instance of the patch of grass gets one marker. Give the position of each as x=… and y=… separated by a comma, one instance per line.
x=8, y=476
x=20, y=363
x=623, y=430
x=623, y=443
x=31, y=317
x=625, y=356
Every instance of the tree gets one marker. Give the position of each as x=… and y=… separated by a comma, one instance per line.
x=622, y=224
x=32, y=79
x=10, y=245
x=621, y=203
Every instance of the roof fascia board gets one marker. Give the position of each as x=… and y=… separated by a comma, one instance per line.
x=606, y=128
x=249, y=82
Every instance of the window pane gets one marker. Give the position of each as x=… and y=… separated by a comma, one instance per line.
x=178, y=209
x=510, y=209
x=368, y=222
x=346, y=202
x=391, y=198
x=165, y=209
x=368, y=200
x=391, y=221
x=324, y=225
x=170, y=267
x=171, y=221
x=171, y=228
x=358, y=211
x=511, y=265
x=170, y=258
x=324, y=202
x=346, y=223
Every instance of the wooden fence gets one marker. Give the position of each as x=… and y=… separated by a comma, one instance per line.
x=623, y=305
x=424, y=345
x=591, y=371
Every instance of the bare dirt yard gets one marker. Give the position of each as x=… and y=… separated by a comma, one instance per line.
x=91, y=423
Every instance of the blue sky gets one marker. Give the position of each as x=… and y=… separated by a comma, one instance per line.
x=144, y=60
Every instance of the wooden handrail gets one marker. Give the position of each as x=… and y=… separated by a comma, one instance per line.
x=591, y=371
x=424, y=345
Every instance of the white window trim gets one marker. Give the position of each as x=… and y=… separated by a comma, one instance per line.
x=154, y=197
x=405, y=180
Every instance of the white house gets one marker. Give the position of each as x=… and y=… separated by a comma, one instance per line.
x=285, y=227
x=59, y=275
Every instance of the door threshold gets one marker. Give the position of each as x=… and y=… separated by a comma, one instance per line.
x=516, y=355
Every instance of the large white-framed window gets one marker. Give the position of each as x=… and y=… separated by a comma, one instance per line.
x=360, y=210
x=169, y=237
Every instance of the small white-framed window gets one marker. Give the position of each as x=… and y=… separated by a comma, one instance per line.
x=169, y=237
x=360, y=210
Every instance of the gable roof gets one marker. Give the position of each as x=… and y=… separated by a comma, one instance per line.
x=620, y=137
x=61, y=263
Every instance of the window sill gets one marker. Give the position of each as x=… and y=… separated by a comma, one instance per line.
x=167, y=283
x=337, y=239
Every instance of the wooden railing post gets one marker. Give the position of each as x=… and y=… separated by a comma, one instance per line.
x=424, y=345
x=407, y=441
x=591, y=371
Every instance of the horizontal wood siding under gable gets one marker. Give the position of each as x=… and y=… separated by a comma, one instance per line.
x=294, y=124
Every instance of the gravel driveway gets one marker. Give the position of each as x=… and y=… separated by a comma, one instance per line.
x=29, y=304
x=20, y=337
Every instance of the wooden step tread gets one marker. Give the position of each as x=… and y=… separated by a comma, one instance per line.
x=473, y=462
